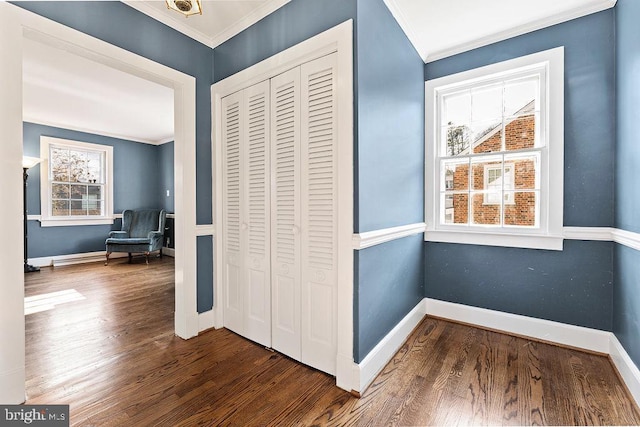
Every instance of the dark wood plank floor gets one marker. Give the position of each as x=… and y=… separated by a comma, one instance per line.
x=114, y=358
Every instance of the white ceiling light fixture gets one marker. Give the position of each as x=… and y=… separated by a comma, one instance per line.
x=185, y=7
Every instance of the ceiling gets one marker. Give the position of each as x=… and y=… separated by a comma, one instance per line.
x=437, y=28
x=441, y=28
x=65, y=90
x=220, y=19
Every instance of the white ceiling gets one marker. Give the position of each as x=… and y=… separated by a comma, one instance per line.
x=65, y=90
x=220, y=19
x=441, y=28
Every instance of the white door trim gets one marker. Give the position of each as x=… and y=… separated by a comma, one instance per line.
x=25, y=24
x=338, y=39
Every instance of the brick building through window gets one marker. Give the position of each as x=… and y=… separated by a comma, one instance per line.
x=491, y=181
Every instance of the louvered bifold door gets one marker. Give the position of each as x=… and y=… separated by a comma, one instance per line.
x=256, y=221
x=319, y=207
x=232, y=171
x=285, y=213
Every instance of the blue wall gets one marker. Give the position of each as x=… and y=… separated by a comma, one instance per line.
x=389, y=278
x=293, y=23
x=205, y=275
x=390, y=149
x=136, y=185
x=166, y=175
x=123, y=26
x=626, y=293
x=573, y=286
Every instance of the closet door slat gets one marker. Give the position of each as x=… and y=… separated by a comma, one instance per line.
x=285, y=212
x=319, y=213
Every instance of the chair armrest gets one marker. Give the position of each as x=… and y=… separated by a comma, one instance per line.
x=154, y=235
x=119, y=234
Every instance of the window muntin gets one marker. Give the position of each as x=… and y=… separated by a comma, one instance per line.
x=506, y=120
x=76, y=183
x=482, y=123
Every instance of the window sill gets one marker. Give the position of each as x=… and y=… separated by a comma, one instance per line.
x=50, y=222
x=509, y=240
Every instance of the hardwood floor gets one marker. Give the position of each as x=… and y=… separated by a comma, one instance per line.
x=113, y=357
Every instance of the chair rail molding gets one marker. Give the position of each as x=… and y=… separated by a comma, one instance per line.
x=603, y=234
x=376, y=237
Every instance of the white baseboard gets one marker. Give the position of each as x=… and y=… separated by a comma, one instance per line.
x=627, y=369
x=70, y=259
x=545, y=330
x=206, y=320
x=170, y=252
x=382, y=353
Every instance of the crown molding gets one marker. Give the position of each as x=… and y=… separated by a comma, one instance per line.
x=409, y=31
x=67, y=126
x=586, y=9
x=178, y=23
x=236, y=28
x=169, y=21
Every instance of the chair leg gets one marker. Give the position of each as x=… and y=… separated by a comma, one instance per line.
x=160, y=252
x=130, y=257
x=107, y=261
x=146, y=257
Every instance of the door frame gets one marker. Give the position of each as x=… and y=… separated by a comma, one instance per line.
x=15, y=25
x=339, y=40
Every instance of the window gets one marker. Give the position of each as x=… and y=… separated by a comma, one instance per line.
x=494, y=142
x=76, y=183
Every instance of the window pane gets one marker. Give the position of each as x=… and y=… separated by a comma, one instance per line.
x=78, y=191
x=479, y=165
x=93, y=200
x=456, y=175
x=95, y=191
x=456, y=140
x=457, y=109
x=454, y=208
x=60, y=191
x=94, y=167
x=78, y=164
x=60, y=208
x=485, y=213
x=77, y=208
x=487, y=136
x=95, y=208
x=521, y=132
x=59, y=163
x=524, y=211
x=526, y=174
x=486, y=103
x=521, y=96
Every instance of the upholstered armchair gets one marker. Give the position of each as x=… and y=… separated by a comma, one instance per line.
x=142, y=232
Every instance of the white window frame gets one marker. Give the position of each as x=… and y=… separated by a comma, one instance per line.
x=46, y=217
x=549, y=233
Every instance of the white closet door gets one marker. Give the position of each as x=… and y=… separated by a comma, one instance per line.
x=232, y=136
x=285, y=213
x=319, y=224
x=256, y=210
